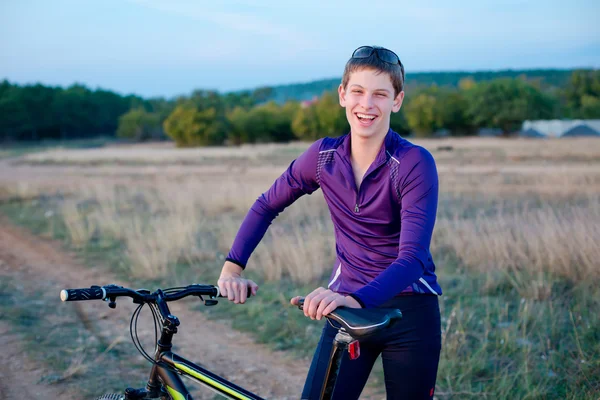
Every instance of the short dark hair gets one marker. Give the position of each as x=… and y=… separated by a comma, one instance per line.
x=395, y=71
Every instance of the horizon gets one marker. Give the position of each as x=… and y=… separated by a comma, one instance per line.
x=285, y=84
x=158, y=48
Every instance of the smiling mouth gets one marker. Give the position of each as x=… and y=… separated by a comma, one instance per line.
x=366, y=117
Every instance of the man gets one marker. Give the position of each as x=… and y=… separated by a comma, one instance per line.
x=382, y=193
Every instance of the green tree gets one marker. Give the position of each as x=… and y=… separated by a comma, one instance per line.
x=36, y=119
x=398, y=122
x=79, y=112
x=452, y=112
x=268, y=122
x=437, y=108
x=590, y=107
x=205, y=99
x=107, y=107
x=278, y=120
x=421, y=114
x=240, y=130
x=74, y=111
x=14, y=118
x=262, y=94
x=242, y=99
x=582, y=93
x=323, y=118
x=506, y=103
x=138, y=124
x=188, y=126
x=331, y=116
x=305, y=124
x=466, y=83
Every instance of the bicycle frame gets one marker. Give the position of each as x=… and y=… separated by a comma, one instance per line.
x=165, y=373
x=168, y=366
x=177, y=389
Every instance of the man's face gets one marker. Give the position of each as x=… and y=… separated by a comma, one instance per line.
x=369, y=100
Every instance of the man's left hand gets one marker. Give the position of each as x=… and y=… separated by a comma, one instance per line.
x=322, y=301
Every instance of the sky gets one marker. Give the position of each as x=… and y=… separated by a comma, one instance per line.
x=171, y=47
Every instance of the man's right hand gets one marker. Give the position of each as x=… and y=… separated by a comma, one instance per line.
x=233, y=286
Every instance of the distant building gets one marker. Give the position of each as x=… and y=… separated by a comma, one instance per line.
x=532, y=132
x=556, y=128
x=581, y=130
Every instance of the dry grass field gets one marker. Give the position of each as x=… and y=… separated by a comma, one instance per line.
x=516, y=243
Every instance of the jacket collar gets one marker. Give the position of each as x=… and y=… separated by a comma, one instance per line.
x=387, y=148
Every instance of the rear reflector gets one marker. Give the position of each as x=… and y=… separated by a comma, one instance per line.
x=354, y=350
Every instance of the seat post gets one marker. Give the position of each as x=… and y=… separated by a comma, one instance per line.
x=340, y=345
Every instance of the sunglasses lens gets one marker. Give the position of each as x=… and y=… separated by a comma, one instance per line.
x=388, y=56
x=363, y=52
x=384, y=55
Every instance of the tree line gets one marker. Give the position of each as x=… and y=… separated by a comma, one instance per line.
x=545, y=79
x=205, y=117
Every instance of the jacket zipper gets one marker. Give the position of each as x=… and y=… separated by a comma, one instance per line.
x=356, y=206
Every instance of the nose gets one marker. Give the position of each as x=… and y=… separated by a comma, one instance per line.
x=366, y=102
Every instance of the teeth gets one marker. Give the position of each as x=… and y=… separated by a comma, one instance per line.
x=365, y=116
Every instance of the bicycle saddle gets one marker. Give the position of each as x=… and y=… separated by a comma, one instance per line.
x=361, y=322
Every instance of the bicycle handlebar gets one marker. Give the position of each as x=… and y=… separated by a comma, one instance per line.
x=139, y=296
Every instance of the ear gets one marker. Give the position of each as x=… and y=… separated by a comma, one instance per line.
x=342, y=95
x=398, y=102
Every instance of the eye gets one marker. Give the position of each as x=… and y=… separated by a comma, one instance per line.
x=357, y=91
x=381, y=95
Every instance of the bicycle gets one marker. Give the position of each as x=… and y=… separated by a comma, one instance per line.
x=165, y=383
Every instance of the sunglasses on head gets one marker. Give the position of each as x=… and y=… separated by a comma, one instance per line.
x=384, y=55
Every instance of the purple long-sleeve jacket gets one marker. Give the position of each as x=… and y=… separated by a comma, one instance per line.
x=382, y=230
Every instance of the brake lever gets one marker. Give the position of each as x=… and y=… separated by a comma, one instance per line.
x=208, y=302
x=112, y=302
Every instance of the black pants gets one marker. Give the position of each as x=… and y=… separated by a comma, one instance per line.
x=410, y=351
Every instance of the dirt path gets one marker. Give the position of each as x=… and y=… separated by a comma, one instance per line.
x=41, y=265
x=20, y=377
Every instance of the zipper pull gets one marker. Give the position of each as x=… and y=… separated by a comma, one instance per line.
x=356, y=210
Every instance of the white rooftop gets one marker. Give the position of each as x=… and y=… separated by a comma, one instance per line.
x=557, y=127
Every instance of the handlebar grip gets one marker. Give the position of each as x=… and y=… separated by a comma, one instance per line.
x=249, y=294
x=92, y=293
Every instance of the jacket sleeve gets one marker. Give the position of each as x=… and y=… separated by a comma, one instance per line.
x=418, y=184
x=297, y=180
